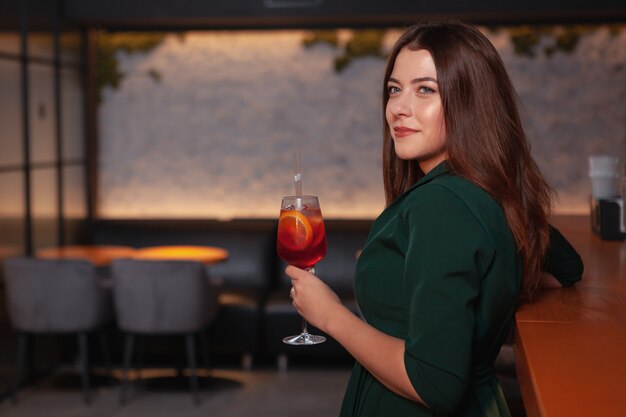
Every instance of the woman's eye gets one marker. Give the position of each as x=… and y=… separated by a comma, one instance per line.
x=425, y=90
x=392, y=89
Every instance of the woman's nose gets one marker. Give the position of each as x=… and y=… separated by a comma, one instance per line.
x=399, y=107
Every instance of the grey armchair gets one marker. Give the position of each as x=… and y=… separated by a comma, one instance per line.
x=163, y=297
x=54, y=297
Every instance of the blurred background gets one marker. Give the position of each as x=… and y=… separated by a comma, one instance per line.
x=148, y=119
x=192, y=110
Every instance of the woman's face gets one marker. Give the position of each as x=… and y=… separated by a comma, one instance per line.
x=414, y=112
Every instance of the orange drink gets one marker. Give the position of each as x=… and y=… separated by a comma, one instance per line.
x=301, y=239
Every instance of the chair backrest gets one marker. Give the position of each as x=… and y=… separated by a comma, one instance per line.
x=50, y=296
x=162, y=296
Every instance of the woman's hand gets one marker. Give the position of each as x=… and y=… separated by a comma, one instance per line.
x=313, y=299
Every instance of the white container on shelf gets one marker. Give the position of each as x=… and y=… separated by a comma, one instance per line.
x=605, y=172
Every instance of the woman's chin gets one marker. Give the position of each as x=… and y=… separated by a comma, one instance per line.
x=403, y=153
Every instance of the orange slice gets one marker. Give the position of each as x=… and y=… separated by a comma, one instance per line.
x=294, y=230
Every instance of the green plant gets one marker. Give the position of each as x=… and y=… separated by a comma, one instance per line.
x=321, y=36
x=559, y=38
x=525, y=38
x=107, y=72
x=366, y=42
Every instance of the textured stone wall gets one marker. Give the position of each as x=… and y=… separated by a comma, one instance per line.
x=205, y=125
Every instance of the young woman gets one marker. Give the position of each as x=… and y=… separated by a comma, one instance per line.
x=463, y=235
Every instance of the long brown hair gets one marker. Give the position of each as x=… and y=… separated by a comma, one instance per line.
x=485, y=139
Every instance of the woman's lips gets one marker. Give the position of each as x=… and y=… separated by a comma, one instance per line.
x=401, y=132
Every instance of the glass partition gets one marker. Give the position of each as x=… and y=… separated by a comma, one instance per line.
x=41, y=103
x=11, y=213
x=11, y=151
x=74, y=198
x=40, y=45
x=44, y=207
x=72, y=114
x=9, y=43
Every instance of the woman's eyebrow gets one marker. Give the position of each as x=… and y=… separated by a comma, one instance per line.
x=420, y=79
x=415, y=81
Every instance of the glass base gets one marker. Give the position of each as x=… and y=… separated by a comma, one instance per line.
x=304, y=339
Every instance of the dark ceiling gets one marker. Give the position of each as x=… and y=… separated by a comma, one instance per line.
x=218, y=14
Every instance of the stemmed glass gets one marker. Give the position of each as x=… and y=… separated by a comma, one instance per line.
x=301, y=242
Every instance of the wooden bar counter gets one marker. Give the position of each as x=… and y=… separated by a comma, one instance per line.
x=571, y=343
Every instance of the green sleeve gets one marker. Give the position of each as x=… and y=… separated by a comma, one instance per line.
x=562, y=260
x=447, y=249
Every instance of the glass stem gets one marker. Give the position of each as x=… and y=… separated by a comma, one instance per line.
x=305, y=330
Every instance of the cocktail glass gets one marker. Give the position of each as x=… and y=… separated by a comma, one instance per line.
x=301, y=242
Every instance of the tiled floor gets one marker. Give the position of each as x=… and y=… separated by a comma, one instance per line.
x=224, y=393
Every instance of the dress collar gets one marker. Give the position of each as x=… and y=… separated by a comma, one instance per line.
x=437, y=171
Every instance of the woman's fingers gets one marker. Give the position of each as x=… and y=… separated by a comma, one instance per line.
x=295, y=273
x=311, y=297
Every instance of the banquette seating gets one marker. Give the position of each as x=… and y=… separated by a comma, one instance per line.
x=255, y=310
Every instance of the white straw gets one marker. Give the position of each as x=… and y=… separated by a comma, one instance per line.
x=297, y=178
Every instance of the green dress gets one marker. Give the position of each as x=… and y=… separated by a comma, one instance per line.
x=439, y=270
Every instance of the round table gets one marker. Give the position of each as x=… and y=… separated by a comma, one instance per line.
x=8, y=251
x=99, y=255
x=204, y=254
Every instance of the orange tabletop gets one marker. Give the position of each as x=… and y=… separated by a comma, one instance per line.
x=205, y=254
x=99, y=255
x=8, y=251
x=571, y=342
